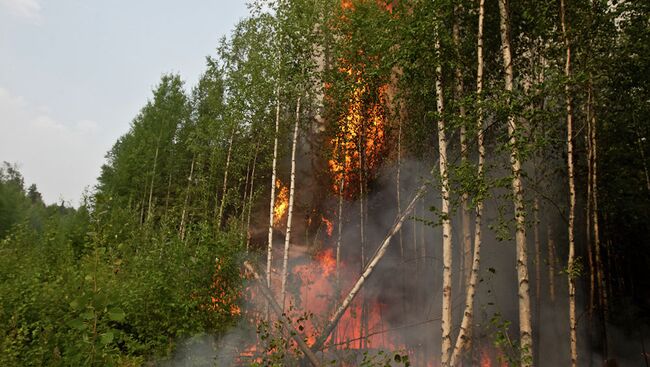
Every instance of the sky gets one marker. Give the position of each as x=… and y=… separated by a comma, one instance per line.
x=74, y=74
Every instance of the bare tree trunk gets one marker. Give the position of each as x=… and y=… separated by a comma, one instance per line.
x=362, y=227
x=551, y=262
x=339, y=236
x=600, y=277
x=466, y=263
x=292, y=187
x=250, y=199
x=538, y=258
x=153, y=176
x=142, y=205
x=465, y=334
x=243, y=202
x=572, y=193
x=225, y=179
x=378, y=255
x=398, y=181
x=269, y=253
x=444, y=213
x=187, y=199
x=525, y=327
x=590, y=185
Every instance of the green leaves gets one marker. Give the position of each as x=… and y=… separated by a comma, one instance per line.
x=116, y=314
x=107, y=338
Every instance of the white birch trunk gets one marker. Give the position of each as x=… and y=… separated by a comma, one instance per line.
x=225, y=179
x=153, y=176
x=466, y=263
x=287, y=238
x=525, y=327
x=187, y=199
x=444, y=213
x=465, y=334
x=573, y=342
x=269, y=251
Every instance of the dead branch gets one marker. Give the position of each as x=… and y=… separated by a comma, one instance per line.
x=268, y=294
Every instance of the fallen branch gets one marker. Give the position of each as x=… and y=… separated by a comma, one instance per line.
x=336, y=317
x=276, y=308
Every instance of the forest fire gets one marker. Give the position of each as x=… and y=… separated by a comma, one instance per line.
x=281, y=203
x=359, y=143
x=329, y=226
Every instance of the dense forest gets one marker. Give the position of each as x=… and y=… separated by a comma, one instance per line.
x=360, y=182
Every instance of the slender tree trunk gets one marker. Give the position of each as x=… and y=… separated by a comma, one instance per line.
x=362, y=227
x=269, y=253
x=339, y=236
x=292, y=187
x=250, y=199
x=186, y=201
x=398, y=181
x=465, y=334
x=572, y=193
x=225, y=178
x=244, y=199
x=525, y=327
x=153, y=176
x=169, y=189
x=142, y=205
x=444, y=213
x=600, y=277
x=466, y=263
x=590, y=185
x=538, y=274
x=551, y=262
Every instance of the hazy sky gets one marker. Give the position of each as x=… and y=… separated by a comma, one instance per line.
x=74, y=73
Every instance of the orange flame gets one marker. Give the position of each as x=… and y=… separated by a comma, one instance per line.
x=281, y=203
x=329, y=226
x=358, y=145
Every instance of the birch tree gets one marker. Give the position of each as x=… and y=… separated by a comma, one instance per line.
x=525, y=327
x=465, y=333
x=287, y=238
x=444, y=212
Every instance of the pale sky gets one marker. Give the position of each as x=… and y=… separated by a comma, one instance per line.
x=74, y=73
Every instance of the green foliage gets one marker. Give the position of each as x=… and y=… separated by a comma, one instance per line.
x=89, y=289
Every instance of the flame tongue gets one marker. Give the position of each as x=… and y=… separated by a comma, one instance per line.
x=281, y=203
x=358, y=145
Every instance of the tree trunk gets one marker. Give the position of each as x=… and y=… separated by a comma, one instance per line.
x=465, y=334
x=444, y=214
x=590, y=185
x=153, y=176
x=466, y=263
x=600, y=277
x=269, y=253
x=225, y=179
x=287, y=238
x=551, y=262
x=525, y=328
x=538, y=273
x=186, y=201
x=250, y=199
x=572, y=192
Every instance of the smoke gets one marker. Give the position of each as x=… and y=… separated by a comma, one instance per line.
x=403, y=295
